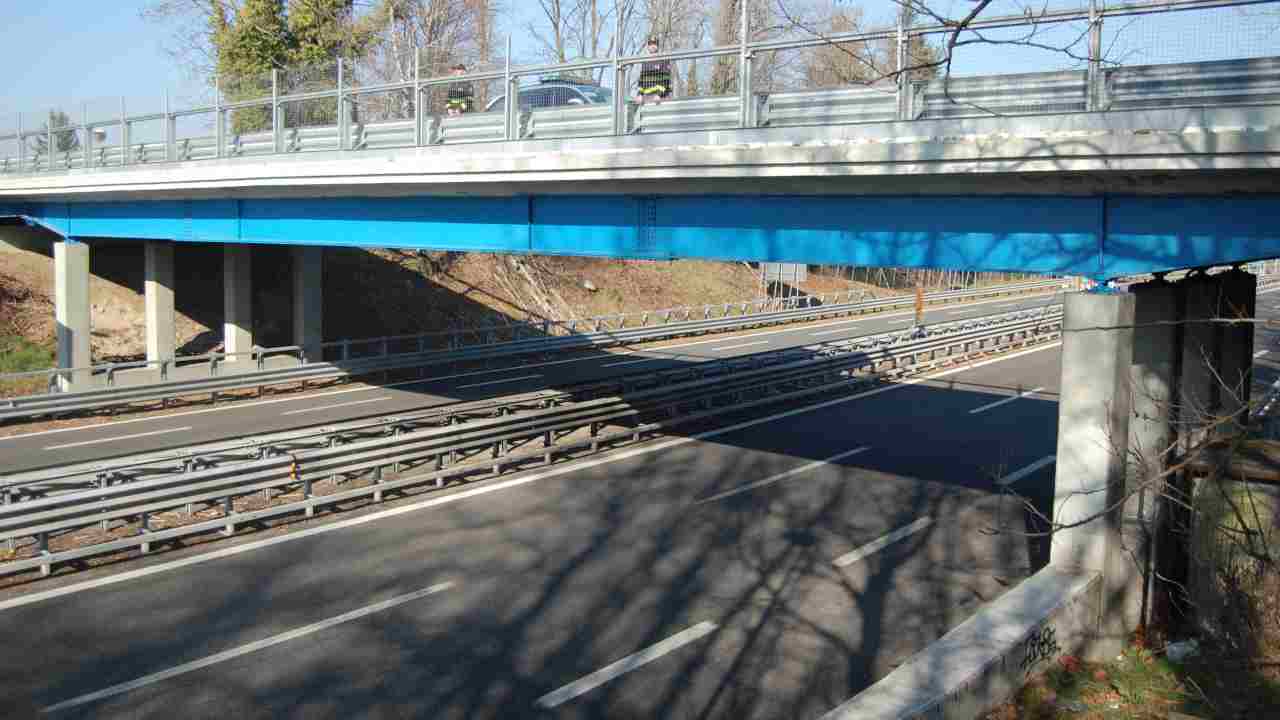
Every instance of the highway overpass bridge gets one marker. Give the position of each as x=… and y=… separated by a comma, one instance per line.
x=1100, y=172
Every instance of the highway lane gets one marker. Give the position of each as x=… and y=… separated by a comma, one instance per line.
x=240, y=419
x=770, y=570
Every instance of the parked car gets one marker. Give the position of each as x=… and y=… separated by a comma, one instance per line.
x=556, y=92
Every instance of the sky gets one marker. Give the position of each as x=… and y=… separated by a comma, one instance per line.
x=59, y=53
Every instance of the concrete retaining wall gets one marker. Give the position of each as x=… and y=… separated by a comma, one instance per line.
x=985, y=659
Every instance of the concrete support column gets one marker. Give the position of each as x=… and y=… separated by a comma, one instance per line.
x=1093, y=434
x=1217, y=357
x=71, y=309
x=308, y=300
x=159, y=289
x=1153, y=378
x=237, y=292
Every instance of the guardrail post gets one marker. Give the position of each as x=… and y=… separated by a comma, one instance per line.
x=52, y=147
x=22, y=146
x=1093, y=96
x=275, y=110
x=169, y=129
x=417, y=97
x=510, y=123
x=46, y=569
x=744, y=67
x=219, y=132
x=343, y=124
x=124, y=134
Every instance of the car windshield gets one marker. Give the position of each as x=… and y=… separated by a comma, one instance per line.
x=596, y=94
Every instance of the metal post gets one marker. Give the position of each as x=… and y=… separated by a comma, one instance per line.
x=1095, y=85
x=275, y=109
x=744, y=69
x=22, y=147
x=168, y=130
x=52, y=147
x=87, y=145
x=510, y=119
x=124, y=134
x=417, y=97
x=619, y=75
x=900, y=63
x=343, y=125
x=219, y=132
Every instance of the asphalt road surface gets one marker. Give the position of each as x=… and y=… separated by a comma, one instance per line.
x=769, y=568
x=240, y=419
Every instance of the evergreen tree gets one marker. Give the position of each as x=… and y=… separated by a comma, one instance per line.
x=249, y=48
x=63, y=140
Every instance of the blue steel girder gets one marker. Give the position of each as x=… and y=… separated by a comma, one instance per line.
x=1100, y=237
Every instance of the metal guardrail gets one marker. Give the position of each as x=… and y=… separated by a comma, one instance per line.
x=36, y=482
x=1188, y=84
x=436, y=454
x=60, y=403
x=343, y=350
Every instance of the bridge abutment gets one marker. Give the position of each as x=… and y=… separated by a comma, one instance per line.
x=237, y=293
x=1147, y=376
x=71, y=310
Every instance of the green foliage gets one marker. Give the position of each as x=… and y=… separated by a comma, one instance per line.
x=266, y=35
x=63, y=140
x=20, y=355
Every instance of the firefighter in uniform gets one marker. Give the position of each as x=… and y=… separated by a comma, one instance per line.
x=655, y=76
x=461, y=95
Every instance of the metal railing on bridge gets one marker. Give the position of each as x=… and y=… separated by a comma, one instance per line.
x=59, y=142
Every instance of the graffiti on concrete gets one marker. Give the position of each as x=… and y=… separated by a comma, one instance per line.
x=1041, y=645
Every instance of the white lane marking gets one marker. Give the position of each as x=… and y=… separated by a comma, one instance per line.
x=1259, y=354
x=957, y=312
x=1017, y=475
x=237, y=406
x=735, y=347
x=626, y=665
x=499, y=382
x=252, y=647
x=37, y=597
x=118, y=437
x=1005, y=401
x=783, y=475
x=633, y=362
x=339, y=405
x=877, y=545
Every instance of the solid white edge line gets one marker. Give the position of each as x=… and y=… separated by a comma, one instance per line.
x=485, y=489
x=1005, y=401
x=118, y=437
x=248, y=648
x=333, y=407
x=369, y=388
x=875, y=546
x=1017, y=475
x=783, y=475
x=500, y=382
x=631, y=662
